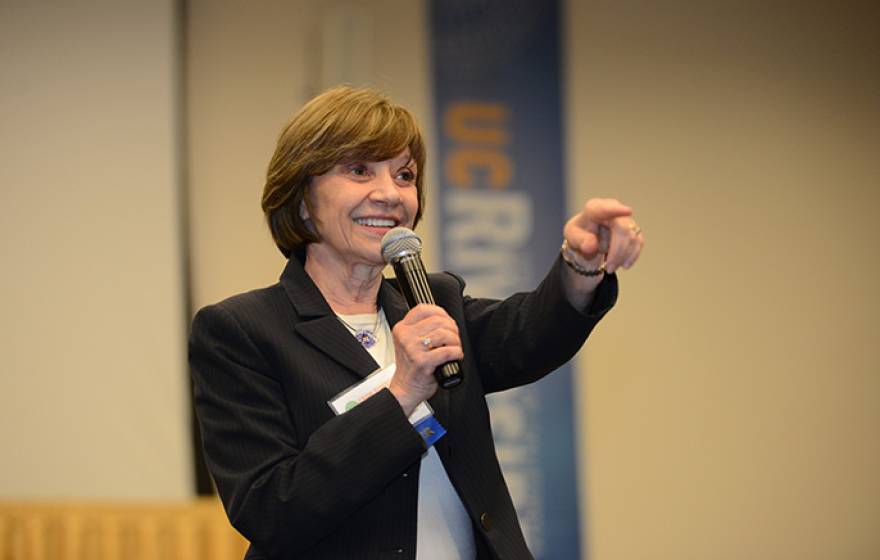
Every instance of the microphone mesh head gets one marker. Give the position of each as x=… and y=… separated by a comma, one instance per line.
x=400, y=242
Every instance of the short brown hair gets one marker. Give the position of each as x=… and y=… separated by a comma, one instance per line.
x=340, y=124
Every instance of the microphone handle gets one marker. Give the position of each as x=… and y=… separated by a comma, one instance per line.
x=413, y=281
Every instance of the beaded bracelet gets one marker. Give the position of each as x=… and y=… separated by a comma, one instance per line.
x=565, y=251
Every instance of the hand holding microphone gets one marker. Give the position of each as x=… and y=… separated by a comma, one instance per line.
x=401, y=248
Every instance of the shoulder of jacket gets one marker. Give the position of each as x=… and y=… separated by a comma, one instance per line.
x=446, y=282
x=253, y=302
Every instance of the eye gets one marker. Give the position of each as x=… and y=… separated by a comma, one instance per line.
x=406, y=175
x=357, y=169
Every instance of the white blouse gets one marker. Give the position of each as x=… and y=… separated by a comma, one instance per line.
x=444, y=528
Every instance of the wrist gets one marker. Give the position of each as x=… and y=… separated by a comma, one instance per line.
x=580, y=279
x=404, y=399
x=574, y=263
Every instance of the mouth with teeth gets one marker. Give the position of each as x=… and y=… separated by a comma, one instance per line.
x=384, y=223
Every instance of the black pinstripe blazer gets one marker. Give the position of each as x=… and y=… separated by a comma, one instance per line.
x=299, y=482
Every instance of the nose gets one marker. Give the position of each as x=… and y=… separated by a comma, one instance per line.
x=385, y=190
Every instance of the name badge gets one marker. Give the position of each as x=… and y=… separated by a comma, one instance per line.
x=422, y=418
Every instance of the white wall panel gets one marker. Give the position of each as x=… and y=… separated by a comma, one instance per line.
x=93, y=386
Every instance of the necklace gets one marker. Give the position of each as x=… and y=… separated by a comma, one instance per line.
x=367, y=337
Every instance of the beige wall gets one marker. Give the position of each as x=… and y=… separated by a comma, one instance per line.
x=92, y=390
x=733, y=398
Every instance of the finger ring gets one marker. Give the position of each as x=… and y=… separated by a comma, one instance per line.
x=426, y=342
x=634, y=227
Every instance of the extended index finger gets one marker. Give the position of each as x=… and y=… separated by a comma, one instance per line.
x=600, y=211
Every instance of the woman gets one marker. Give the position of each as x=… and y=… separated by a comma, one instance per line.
x=299, y=480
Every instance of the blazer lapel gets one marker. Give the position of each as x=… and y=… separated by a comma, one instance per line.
x=319, y=325
x=392, y=302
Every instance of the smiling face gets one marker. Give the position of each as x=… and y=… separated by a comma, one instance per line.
x=354, y=204
x=342, y=124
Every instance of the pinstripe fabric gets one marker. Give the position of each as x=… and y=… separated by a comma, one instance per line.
x=299, y=482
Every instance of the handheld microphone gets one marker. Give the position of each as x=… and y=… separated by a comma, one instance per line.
x=402, y=249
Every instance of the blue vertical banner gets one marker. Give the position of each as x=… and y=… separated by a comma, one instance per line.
x=496, y=75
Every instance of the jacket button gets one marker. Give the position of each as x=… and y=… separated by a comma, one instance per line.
x=405, y=475
x=486, y=521
x=399, y=551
